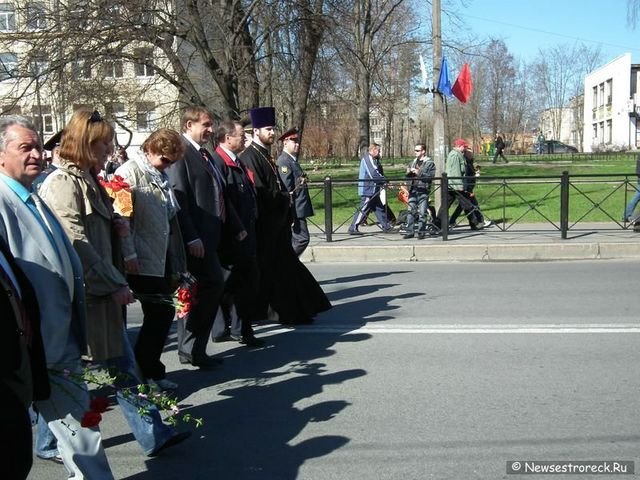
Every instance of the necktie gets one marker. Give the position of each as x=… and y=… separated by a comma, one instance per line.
x=55, y=232
x=218, y=185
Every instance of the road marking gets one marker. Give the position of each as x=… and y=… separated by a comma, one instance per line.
x=461, y=329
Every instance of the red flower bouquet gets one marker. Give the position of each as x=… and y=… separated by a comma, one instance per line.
x=120, y=193
x=185, y=295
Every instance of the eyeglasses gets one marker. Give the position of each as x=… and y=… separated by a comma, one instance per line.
x=95, y=117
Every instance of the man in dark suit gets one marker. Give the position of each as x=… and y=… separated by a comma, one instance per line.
x=295, y=181
x=198, y=186
x=238, y=252
x=22, y=363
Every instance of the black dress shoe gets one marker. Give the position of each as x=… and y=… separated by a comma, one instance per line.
x=202, y=361
x=175, y=440
x=205, y=361
x=354, y=231
x=251, y=341
x=408, y=235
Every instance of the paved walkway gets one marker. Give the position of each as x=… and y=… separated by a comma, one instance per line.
x=526, y=242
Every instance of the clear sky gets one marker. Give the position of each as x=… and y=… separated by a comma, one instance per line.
x=527, y=25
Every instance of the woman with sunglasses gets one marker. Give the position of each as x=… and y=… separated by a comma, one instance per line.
x=153, y=252
x=85, y=211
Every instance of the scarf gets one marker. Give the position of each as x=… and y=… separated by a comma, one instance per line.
x=160, y=179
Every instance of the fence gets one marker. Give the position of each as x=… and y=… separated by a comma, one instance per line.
x=561, y=203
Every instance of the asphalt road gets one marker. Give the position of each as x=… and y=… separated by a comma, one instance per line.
x=444, y=371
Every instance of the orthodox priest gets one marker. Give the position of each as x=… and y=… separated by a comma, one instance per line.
x=285, y=283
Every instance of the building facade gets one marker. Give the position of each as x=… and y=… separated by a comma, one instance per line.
x=45, y=77
x=612, y=107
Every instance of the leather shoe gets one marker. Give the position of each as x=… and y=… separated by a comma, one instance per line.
x=354, y=231
x=251, y=341
x=408, y=235
x=175, y=440
x=202, y=361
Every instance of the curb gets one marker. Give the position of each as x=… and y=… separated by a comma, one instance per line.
x=520, y=252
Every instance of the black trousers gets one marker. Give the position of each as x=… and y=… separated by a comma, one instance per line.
x=241, y=289
x=210, y=285
x=16, y=430
x=158, y=315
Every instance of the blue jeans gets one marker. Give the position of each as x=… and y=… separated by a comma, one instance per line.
x=148, y=429
x=633, y=203
x=418, y=203
x=45, y=445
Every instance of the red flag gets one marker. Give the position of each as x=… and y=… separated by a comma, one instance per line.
x=462, y=88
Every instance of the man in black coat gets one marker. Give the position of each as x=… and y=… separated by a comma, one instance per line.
x=24, y=375
x=295, y=181
x=198, y=186
x=238, y=250
x=285, y=283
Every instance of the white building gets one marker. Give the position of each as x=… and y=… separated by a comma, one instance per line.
x=612, y=106
x=48, y=90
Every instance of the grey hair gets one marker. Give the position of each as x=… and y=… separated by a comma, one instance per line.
x=9, y=121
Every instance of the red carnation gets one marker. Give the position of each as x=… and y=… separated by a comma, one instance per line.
x=91, y=419
x=99, y=404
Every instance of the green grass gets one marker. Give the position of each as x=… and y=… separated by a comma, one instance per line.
x=515, y=191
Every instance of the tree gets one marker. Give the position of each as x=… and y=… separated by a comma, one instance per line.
x=500, y=72
x=559, y=74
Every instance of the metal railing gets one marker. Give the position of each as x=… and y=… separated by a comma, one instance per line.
x=561, y=203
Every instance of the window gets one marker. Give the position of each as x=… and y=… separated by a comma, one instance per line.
x=7, y=17
x=36, y=16
x=42, y=118
x=601, y=103
x=8, y=65
x=113, y=69
x=595, y=131
x=601, y=132
x=116, y=112
x=609, y=132
x=145, y=116
x=77, y=13
x=608, y=92
x=82, y=106
x=10, y=110
x=144, y=62
x=81, y=70
x=112, y=15
x=38, y=65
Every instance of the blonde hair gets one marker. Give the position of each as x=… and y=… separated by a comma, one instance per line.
x=164, y=141
x=84, y=130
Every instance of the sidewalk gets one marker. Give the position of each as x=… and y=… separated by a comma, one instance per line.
x=526, y=242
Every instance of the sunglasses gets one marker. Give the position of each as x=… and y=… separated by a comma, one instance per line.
x=95, y=117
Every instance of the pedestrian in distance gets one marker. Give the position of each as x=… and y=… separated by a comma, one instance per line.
x=499, y=146
x=370, y=187
x=420, y=173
